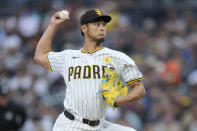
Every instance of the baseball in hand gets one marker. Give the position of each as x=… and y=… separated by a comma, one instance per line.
x=64, y=14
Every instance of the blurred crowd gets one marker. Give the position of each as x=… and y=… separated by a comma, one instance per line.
x=163, y=42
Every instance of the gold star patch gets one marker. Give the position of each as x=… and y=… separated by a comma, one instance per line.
x=107, y=59
x=98, y=12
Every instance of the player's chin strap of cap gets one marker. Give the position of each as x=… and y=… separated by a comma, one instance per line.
x=85, y=121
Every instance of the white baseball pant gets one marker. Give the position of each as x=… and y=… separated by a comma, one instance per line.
x=64, y=124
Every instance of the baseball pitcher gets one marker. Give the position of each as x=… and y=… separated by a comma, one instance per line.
x=95, y=76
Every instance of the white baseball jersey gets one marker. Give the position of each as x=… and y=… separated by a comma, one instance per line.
x=82, y=73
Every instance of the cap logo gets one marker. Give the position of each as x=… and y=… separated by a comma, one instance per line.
x=98, y=12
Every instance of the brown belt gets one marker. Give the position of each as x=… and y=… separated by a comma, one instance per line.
x=85, y=121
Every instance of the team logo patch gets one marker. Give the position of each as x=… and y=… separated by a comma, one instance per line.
x=107, y=59
x=98, y=12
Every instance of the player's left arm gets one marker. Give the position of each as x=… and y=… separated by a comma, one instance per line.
x=133, y=78
x=137, y=92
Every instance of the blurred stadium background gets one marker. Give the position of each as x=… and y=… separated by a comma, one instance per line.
x=160, y=35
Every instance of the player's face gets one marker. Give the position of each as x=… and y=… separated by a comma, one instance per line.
x=97, y=31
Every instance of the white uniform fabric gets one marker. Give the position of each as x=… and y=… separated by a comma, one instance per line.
x=64, y=124
x=82, y=73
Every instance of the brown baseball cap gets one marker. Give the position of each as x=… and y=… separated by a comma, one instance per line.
x=92, y=15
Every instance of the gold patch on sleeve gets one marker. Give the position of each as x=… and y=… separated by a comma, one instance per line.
x=107, y=59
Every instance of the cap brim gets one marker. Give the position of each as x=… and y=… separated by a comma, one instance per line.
x=106, y=18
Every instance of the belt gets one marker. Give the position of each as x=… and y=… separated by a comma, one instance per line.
x=85, y=121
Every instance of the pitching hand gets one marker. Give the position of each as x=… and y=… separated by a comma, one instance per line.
x=56, y=21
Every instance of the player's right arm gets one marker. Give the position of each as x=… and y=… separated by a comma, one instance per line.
x=44, y=44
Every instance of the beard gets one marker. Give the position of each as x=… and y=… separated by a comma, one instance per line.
x=97, y=40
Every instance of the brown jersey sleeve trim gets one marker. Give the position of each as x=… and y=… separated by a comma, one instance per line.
x=129, y=82
x=48, y=62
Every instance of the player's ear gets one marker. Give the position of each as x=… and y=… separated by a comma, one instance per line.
x=84, y=28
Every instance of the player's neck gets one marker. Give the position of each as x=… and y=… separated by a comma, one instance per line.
x=91, y=46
